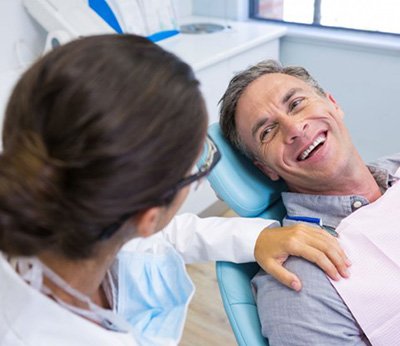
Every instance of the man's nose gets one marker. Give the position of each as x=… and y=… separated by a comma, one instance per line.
x=293, y=129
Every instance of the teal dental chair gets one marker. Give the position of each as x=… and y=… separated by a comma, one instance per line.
x=250, y=194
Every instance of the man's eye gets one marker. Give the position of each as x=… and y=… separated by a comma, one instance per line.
x=294, y=104
x=265, y=132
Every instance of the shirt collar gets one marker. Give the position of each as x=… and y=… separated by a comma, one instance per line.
x=332, y=209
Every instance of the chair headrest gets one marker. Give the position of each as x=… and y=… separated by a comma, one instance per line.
x=238, y=182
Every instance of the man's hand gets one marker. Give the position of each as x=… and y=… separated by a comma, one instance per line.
x=275, y=245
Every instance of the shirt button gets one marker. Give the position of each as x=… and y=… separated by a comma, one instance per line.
x=357, y=204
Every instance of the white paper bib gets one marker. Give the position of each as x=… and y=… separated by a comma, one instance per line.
x=371, y=239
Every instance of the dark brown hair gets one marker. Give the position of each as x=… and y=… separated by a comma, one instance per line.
x=96, y=129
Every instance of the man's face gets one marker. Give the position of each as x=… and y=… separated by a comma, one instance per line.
x=294, y=133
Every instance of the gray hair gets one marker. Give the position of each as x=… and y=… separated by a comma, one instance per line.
x=240, y=82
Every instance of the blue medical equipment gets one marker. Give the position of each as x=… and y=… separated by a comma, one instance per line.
x=68, y=20
x=162, y=35
x=102, y=8
x=250, y=194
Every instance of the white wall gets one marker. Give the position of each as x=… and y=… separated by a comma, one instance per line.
x=18, y=33
x=21, y=42
x=183, y=8
x=224, y=9
x=365, y=82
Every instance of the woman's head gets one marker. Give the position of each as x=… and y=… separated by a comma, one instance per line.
x=98, y=129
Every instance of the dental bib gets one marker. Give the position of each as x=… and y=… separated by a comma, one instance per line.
x=371, y=239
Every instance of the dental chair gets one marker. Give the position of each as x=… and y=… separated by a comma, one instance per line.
x=249, y=193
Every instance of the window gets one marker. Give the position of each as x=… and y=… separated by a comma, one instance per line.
x=369, y=15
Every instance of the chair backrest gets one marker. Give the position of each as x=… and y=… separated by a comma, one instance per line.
x=240, y=184
x=248, y=192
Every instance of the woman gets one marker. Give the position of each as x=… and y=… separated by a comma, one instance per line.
x=100, y=138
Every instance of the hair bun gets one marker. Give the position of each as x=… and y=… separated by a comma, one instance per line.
x=29, y=186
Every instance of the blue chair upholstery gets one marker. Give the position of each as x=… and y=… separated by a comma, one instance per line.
x=250, y=194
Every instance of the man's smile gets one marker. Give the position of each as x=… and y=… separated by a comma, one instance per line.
x=313, y=147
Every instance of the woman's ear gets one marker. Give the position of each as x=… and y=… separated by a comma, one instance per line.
x=147, y=222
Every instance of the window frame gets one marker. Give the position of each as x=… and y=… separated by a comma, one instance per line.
x=253, y=14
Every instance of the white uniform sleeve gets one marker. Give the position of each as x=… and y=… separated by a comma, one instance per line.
x=215, y=238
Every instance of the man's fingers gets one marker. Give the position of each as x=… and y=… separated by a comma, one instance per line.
x=284, y=276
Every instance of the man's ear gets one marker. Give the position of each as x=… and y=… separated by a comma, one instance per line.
x=146, y=222
x=335, y=104
x=270, y=173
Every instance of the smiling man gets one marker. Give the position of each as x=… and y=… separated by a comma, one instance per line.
x=293, y=130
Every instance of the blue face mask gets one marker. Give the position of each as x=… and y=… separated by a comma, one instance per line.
x=154, y=292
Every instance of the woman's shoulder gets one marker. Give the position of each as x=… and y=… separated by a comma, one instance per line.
x=29, y=318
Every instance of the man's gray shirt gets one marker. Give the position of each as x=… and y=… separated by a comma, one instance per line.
x=316, y=315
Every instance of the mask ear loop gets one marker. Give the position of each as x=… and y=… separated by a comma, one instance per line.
x=106, y=318
x=29, y=269
x=32, y=271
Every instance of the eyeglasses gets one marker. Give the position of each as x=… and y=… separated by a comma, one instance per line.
x=211, y=160
x=213, y=156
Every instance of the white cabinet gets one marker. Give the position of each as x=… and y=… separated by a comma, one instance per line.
x=215, y=58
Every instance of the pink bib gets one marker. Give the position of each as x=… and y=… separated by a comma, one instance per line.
x=371, y=239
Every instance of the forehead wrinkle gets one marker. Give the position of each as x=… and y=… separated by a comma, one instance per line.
x=265, y=119
x=289, y=94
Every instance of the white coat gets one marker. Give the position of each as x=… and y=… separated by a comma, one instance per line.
x=27, y=317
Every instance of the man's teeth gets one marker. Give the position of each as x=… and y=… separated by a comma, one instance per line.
x=318, y=140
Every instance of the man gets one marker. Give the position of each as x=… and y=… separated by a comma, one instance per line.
x=293, y=130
